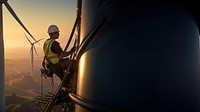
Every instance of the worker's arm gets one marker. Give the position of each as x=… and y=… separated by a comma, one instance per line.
x=65, y=54
x=58, y=50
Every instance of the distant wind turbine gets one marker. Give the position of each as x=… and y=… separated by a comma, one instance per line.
x=32, y=53
x=2, y=99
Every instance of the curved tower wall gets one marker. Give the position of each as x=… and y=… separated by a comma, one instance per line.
x=144, y=58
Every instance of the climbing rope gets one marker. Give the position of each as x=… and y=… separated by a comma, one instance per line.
x=72, y=33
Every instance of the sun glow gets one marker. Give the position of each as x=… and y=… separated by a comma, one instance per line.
x=42, y=15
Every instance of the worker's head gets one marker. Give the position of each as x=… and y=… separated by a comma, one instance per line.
x=53, y=31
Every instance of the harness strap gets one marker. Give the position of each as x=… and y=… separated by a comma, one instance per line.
x=52, y=57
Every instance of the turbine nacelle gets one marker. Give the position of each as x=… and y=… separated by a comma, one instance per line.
x=32, y=45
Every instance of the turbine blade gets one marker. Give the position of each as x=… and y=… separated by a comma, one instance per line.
x=35, y=50
x=27, y=38
x=38, y=41
x=16, y=17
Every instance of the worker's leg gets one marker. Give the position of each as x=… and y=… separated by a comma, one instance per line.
x=65, y=64
x=72, y=70
x=59, y=71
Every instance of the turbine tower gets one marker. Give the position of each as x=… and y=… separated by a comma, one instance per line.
x=2, y=96
x=32, y=53
x=2, y=101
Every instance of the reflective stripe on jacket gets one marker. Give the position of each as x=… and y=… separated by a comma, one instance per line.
x=52, y=57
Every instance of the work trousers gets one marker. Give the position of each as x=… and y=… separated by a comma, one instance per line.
x=63, y=65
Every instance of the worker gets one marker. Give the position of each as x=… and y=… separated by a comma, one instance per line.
x=55, y=58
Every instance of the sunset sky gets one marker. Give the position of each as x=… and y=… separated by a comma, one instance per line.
x=37, y=15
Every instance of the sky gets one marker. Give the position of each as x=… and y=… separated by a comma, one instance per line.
x=37, y=16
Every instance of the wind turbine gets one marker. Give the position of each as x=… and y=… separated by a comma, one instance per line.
x=32, y=53
x=2, y=97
